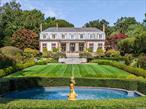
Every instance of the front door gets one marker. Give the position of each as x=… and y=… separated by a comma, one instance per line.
x=72, y=47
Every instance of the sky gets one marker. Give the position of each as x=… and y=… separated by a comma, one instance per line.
x=80, y=12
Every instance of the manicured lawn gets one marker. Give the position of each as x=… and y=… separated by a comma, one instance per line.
x=66, y=70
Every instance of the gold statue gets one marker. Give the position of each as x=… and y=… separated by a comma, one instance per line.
x=72, y=95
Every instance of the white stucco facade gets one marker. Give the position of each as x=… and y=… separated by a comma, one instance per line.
x=72, y=39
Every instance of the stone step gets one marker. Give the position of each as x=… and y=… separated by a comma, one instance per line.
x=72, y=60
x=69, y=55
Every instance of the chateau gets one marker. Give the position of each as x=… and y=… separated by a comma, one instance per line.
x=72, y=40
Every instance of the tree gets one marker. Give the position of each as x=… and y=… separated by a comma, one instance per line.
x=140, y=42
x=123, y=23
x=9, y=17
x=53, y=22
x=99, y=24
x=112, y=41
x=127, y=45
x=24, y=38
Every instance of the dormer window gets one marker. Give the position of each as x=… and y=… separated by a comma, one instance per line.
x=63, y=36
x=53, y=36
x=72, y=36
x=100, y=36
x=44, y=36
x=81, y=36
x=92, y=36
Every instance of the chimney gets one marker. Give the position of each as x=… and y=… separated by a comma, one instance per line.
x=41, y=27
x=57, y=25
x=103, y=27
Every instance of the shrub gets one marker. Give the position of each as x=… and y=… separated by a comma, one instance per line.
x=113, y=53
x=30, y=52
x=128, y=59
x=6, y=61
x=86, y=55
x=17, y=67
x=100, y=52
x=89, y=50
x=12, y=52
x=142, y=61
x=132, y=70
x=55, y=50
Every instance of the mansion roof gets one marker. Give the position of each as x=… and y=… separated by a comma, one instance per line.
x=71, y=29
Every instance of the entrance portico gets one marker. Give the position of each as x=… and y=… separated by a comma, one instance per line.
x=72, y=47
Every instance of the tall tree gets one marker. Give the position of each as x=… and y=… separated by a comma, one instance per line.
x=99, y=24
x=53, y=22
x=123, y=23
x=9, y=17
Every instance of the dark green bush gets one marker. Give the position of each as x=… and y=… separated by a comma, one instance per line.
x=6, y=61
x=132, y=70
x=8, y=85
x=17, y=67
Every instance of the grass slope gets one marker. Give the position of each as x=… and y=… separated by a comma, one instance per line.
x=67, y=70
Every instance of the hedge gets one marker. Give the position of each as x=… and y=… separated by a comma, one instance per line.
x=9, y=84
x=17, y=67
x=132, y=70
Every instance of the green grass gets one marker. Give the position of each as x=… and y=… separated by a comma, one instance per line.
x=67, y=70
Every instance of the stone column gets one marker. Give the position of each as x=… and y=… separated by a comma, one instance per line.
x=76, y=47
x=67, y=47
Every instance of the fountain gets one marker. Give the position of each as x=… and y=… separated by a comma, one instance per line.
x=72, y=95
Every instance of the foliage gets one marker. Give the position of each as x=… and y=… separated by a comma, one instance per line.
x=46, y=61
x=16, y=67
x=128, y=59
x=13, y=18
x=25, y=83
x=113, y=40
x=12, y=52
x=127, y=45
x=6, y=61
x=55, y=50
x=100, y=52
x=86, y=54
x=113, y=53
x=123, y=23
x=24, y=38
x=142, y=61
x=53, y=22
x=132, y=70
x=89, y=50
x=30, y=52
x=99, y=24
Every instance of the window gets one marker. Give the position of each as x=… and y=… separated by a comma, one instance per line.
x=44, y=45
x=63, y=36
x=53, y=45
x=53, y=36
x=91, y=45
x=72, y=36
x=100, y=45
x=44, y=36
x=81, y=36
x=92, y=36
x=100, y=36
x=81, y=46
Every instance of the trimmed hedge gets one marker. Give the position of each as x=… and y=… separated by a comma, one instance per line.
x=17, y=67
x=8, y=84
x=132, y=70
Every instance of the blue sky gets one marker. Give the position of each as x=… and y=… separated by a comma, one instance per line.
x=79, y=12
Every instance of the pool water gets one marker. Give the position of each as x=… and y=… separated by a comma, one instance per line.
x=60, y=93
